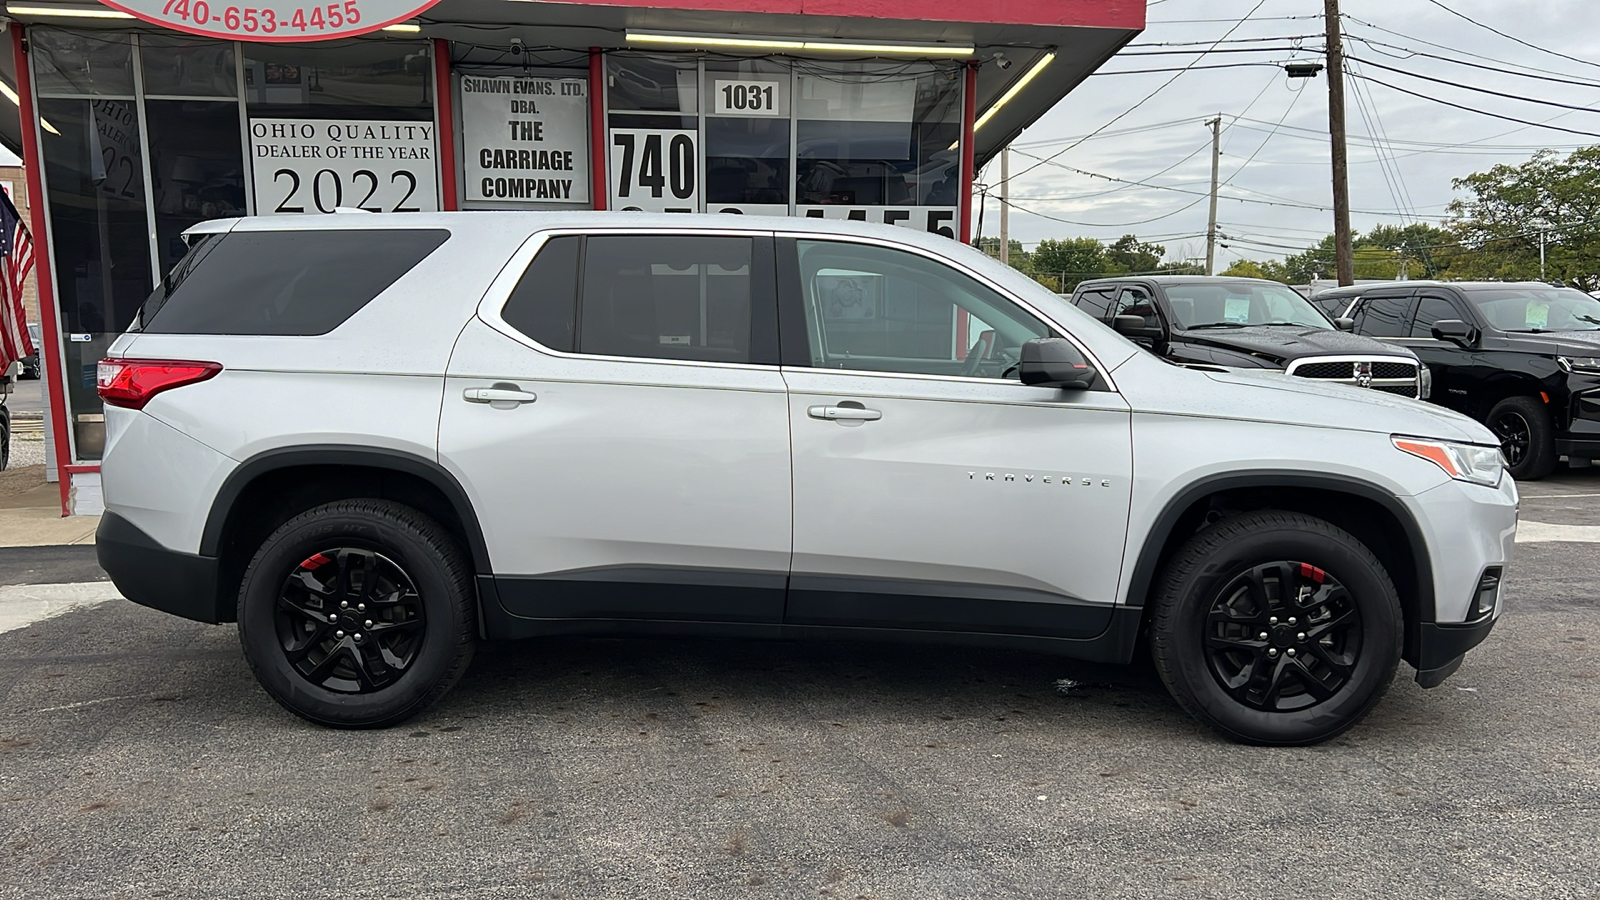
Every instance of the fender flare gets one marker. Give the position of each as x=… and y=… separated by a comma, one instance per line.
x=342, y=455
x=1156, y=538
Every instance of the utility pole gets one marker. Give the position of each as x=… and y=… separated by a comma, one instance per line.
x=1005, y=207
x=1211, y=228
x=1341, y=168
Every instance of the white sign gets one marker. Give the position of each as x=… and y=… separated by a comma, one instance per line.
x=273, y=20
x=525, y=138
x=747, y=98
x=317, y=165
x=932, y=219
x=655, y=170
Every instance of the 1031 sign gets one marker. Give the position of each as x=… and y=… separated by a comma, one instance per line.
x=655, y=170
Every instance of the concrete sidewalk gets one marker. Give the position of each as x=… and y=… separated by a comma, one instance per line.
x=30, y=512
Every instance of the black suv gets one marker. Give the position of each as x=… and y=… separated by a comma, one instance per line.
x=1523, y=358
x=1246, y=323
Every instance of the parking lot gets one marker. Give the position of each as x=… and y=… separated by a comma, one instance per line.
x=138, y=758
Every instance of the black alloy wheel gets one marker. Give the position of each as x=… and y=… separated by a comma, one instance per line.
x=350, y=620
x=1283, y=636
x=358, y=613
x=1515, y=434
x=1275, y=627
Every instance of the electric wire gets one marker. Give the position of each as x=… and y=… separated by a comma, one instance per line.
x=1510, y=37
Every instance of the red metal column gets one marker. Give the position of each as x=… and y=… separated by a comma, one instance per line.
x=969, y=114
x=597, y=128
x=43, y=256
x=444, y=103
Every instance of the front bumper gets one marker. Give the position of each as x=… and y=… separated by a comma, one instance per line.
x=149, y=574
x=1442, y=647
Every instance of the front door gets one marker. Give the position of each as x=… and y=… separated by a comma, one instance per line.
x=933, y=490
x=1449, y=364
x=624, y=435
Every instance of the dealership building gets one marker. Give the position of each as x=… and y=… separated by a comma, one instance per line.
x=140, y=118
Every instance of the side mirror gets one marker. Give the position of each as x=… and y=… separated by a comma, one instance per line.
x=1456, y=332
x=1345, y=323
x=1055, y=362
x=1134, y=327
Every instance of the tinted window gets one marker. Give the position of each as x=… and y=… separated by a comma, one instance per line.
x=1429, y=311
x=544, y=304
x=877, y=309
x=1137, y=302
x=283, y=282
x=1383, y=317
x=1332, y=306
x=1537, y=309
x=1095, y=303
x=667, y=297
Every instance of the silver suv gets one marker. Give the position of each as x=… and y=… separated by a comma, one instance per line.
x=375, y=440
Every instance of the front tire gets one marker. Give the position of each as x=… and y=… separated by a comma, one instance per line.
x=358, y=614
x=1526, y=435
x=1276, y=628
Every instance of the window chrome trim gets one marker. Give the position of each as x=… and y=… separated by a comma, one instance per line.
x=499, y=292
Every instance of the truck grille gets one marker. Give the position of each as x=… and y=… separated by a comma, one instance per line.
x=1392, y=376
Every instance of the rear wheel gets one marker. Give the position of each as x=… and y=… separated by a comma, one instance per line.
x=1526, y=441
x=1276, y=628
x=358, y=614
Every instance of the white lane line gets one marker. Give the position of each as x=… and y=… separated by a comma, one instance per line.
x=1538, y=532
x=89, y=703
x=1555, y=496
x=22, y=605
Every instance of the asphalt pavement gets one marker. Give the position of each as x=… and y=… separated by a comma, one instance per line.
x=138, y=758
x=27, y=398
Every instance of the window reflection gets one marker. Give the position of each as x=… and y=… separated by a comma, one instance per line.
x=81, y=63
x=187, y=66
x=196, y=167
x=340, y=79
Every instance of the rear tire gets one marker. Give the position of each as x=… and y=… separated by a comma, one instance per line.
x=358, y=614
x=1527, y=440
x=1329, y=613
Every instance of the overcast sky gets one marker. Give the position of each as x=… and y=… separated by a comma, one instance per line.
x=1291, y=165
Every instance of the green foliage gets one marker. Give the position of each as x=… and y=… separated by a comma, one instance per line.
x=1244, y=268
x=1509, y=205
x=1131, y=255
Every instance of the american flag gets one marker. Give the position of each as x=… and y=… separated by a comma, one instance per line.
x=16, y=261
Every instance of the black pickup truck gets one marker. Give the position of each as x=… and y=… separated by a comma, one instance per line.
x=1247, y=323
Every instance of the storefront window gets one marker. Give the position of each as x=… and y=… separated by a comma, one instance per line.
x=196, y=168
x=355, y=79
x=81, y=63
x=188, y=67
x=747, y=136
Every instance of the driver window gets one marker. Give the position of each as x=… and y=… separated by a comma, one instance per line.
x=878, y=309
x=1136, y=302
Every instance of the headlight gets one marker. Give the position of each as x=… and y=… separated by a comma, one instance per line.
x=1463, y=462
x=1580, y=363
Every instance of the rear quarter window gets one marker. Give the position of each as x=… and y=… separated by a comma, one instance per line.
x=283, y=282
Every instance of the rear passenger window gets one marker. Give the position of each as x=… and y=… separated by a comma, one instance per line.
x=303, y=282
x=544, y=304
x=667, y=297
x=1383, y=317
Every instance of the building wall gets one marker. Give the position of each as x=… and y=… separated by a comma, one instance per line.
x=15, y=181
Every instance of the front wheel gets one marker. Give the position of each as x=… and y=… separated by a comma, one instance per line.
x=1276, y=628
x=1526, y=437
x=358, y=614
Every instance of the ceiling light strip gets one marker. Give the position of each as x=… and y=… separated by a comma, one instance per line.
x=1016, y=89
x=67, y=12
x=742, y=43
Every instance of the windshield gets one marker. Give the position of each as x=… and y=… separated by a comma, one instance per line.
x=1537, y=309
x=1241, y=303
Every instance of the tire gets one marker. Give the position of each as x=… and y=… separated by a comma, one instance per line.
x=416, y=605
x=1206, y=623
x=1526, y=437
x=5, y=444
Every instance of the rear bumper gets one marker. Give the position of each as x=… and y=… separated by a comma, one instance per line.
x=149, y=574
x=1444, y=646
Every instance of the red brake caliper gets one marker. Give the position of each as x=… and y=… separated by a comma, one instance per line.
x=315, y=561
x=1307, y=570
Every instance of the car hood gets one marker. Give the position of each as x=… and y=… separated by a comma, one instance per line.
x=1151, y=385
x=1286, y=344
x=1556, y=343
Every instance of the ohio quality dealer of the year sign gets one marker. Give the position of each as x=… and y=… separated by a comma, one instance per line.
x=273, y=20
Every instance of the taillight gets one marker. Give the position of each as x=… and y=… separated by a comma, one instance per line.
x=132, y=382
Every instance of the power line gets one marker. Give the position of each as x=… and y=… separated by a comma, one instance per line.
x=1119, y=116
x=1379, y=46
x=1468, y=87
x=1181, y=69
x=1456, y=50
x=1481, y=112
x=1509, y=37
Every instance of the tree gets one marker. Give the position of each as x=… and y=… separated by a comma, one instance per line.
x=1061, y=264
x=1128, y=253
x=1509, y=206
x=1018, y=258
x=1244, y=268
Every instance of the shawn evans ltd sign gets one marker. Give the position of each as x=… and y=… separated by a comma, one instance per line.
x=525, y=138
x=273, y=20
x=318, y=165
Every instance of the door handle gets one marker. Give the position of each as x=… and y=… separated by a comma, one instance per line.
x=844, y=413
x=500, y=393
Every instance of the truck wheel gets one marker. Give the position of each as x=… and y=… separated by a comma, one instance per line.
x=358, y=614
x=1276, y=628
x=1523, y=426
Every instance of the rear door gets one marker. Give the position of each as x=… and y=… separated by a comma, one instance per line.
x=933, y=490
x=616, y=412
